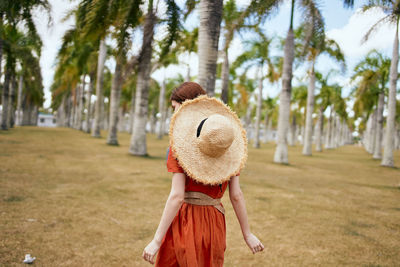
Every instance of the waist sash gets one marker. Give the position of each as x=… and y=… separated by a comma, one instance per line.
x=198, y=198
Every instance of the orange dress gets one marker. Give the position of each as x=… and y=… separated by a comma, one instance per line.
x=197, y=235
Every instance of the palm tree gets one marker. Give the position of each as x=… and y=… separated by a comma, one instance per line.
x=338, y=115
x=75, y=60
x=391, y=9
x=323, y=100
x=312, y=16
x=13, y=13
x=233, y=21
x=186, y=43
x=30, y=91
x=138, y=144
x=164, y=60
x=373, y=74
x=127, y=19
x=297, y=107
x=270, y=116
x=102, y=54
x=210, y=22
x=93, y=19
x=314, y=21
x=244, y=106
x=257, y=55
x=319, y=44
x=92, y=77
x=23, y=49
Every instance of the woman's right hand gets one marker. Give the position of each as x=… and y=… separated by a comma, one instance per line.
x=150, y=251
x=254, y=244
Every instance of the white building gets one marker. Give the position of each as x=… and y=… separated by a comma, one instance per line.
x=46, y=120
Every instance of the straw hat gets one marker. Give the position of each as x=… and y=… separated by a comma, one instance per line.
x=208, y=139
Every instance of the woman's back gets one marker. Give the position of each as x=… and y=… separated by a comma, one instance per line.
x=210, y=142
x=197, y=236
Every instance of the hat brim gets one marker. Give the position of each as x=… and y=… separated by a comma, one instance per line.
x=184, y=142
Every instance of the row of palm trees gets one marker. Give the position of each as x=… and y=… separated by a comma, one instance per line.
x=20, y=48
x=313, y=43
x=81, y=72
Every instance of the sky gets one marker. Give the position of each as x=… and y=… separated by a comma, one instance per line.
x=345, y=26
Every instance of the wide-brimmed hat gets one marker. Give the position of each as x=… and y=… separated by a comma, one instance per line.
x=208, y=140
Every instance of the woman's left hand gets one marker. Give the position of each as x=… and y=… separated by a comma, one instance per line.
x=150, y=251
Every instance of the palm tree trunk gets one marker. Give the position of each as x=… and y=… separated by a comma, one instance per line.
x=266, y=125
x=1, y=48
x=307, y=148
x=281, y=151
x=105, y=115
x=397, y=137
x=35, y=113
x=161, y=109
x=62, y=112
x=89, y=104
x=338, y=130
x=292, y=132
x=333, y=131
x=209, y=31
x=112, y=138
x=121, y=120
x=270, y=135
x=19, y=101
x=225, y=78
x=138, y=145
x=379, y=126
x=247, y=120
x=319, y=131
x=296, y=131
x=344, y=132
x=14, y=101
x=153, y=120
x=1, y=42
x=328, y=139
x=258, y=112
x=11, y=100
x=99, y=88
x=81, y=103
x=76, y=105
x=372, y=132
x=387, y=159
x=25, y=110
x=70, y=110
x=188, y=73
x=366, y=133
x=132, y=112
x=5, y=99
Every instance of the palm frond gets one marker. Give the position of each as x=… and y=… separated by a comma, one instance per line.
x=173, y=25
x=313, y=23
x=189, y=7
x=375, y=27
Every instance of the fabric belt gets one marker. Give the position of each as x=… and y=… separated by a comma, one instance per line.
x=198, y=198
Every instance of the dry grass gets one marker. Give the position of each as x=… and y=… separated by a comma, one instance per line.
x=71, y=200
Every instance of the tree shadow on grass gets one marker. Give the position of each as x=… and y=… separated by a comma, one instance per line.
x=287, y=165
x=150, y=157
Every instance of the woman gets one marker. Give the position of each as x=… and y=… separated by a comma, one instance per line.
x=208, y=149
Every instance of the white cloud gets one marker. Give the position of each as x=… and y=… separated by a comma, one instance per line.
x=349, y=37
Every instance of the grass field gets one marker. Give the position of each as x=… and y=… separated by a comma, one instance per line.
x=71, y=200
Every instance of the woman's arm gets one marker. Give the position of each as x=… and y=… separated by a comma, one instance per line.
x=173, y=204
x=238, y=203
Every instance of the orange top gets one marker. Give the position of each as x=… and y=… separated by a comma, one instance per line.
x=197, y=235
